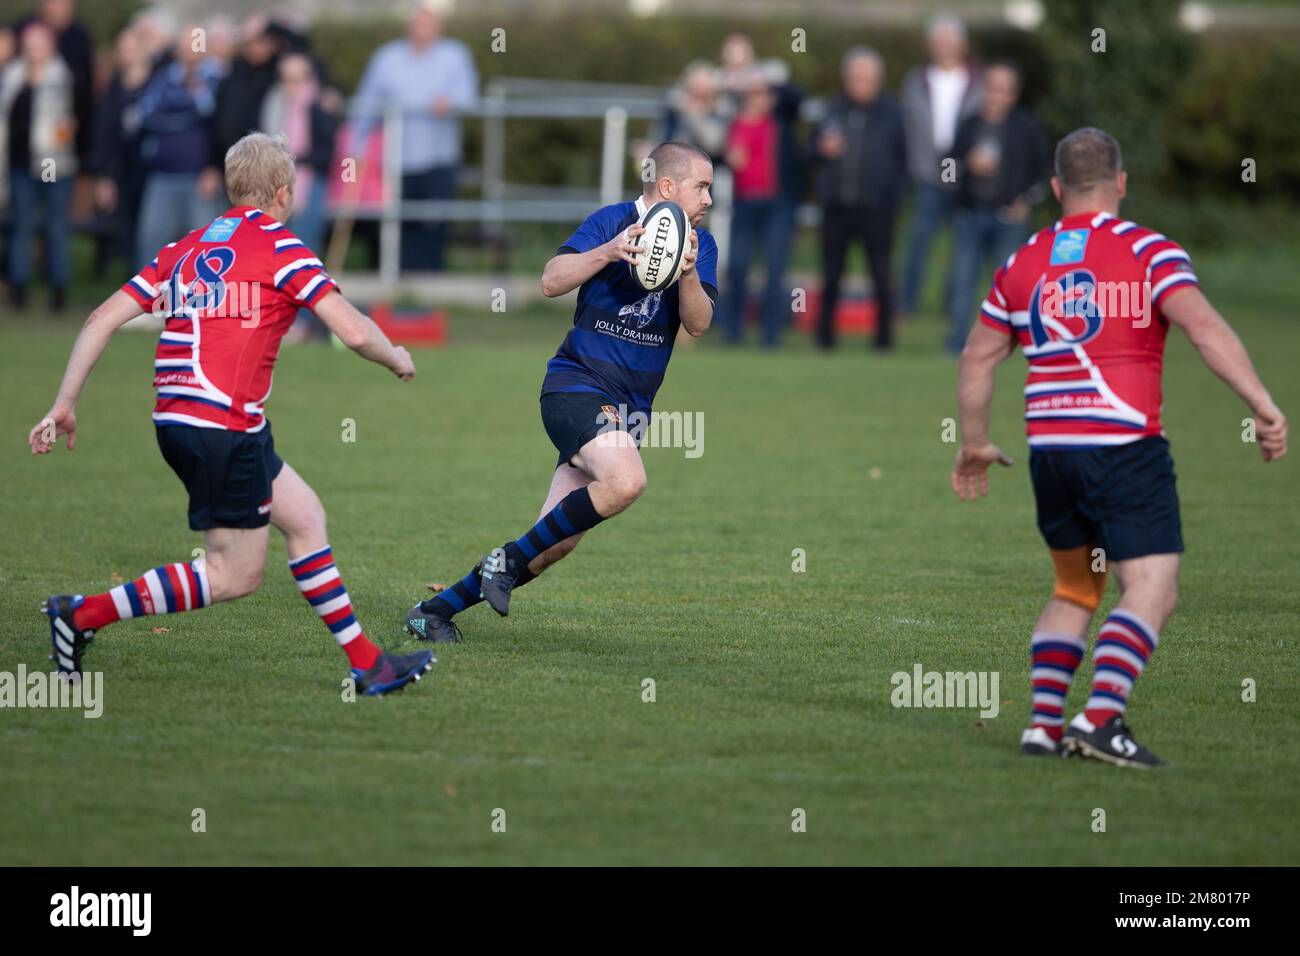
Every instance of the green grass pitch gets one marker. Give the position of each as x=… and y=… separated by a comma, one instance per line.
x=772, y=687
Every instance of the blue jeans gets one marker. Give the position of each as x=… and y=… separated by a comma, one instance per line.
x=934, y=204
x=980, y=237
x=170, y=208
x=27, y=192
x=770, y=221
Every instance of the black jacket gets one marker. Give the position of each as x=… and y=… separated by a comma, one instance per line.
x=1023, y=169
x=872, y=172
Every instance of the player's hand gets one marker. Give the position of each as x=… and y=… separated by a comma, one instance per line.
x=623, y=247
x=970, y=475
x=403, y=367
x=61, y=420
x=1270, y=431
x=688, y=257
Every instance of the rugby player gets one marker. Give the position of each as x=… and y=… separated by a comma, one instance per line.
x=229, y=291
x=1090, y=301
x=608, y=368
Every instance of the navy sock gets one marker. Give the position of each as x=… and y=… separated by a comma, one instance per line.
x=574, y=514
x=465, y=593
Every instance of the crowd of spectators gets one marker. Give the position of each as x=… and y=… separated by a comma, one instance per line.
x=148, y=138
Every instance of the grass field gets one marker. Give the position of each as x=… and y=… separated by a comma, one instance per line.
x=772, y=687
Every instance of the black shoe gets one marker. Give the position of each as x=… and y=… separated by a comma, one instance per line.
x=428, y=625
x=393, y=672
x=67, y=641
x=496, y=581
x=1111, y=742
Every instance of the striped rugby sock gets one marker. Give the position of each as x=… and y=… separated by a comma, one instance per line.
x=1055, y=657
x=574, y=514
x=165, y=590
x=1124, y=645
x=465, y=593
x=318, y=580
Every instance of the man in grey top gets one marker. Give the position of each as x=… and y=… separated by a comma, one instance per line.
x=430, y=78
x=936, y=97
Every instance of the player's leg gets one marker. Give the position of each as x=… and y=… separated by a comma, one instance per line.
x=1058, y=644
x=299, y=515
x=1125, y=643
x=230, y=568
x=1060, y=635
x=618, y=477
x=1133, y=495
x=431, y=619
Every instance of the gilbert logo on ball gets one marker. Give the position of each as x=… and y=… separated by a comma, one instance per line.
x=663, y=246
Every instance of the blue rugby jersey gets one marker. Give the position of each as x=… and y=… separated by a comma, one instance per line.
x=622, y=336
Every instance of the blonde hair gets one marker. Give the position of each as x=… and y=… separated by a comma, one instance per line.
x=256, y=167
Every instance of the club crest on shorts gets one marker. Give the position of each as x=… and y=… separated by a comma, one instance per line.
x=612, y=417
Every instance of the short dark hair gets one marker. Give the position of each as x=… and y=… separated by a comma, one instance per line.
x=1087, y=158
x=671, y=159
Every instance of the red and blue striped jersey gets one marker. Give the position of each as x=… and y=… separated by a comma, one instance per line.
x=1083, y=298
x=228, y=292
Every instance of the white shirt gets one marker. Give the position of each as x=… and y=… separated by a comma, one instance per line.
x=947, y=87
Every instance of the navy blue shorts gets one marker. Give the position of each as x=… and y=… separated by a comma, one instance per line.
x=572, y=419
x=228, y=474
x=1120, y=498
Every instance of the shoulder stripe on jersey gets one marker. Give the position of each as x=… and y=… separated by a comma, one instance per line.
x=144, y=287
x=1178, y=278
x=273, y=227
x=253, y=213
x=310, y=290
x=285, y=274
x=1146, y=241
x=1166, y=256
x=284, y=245
x=997, y=313
x=1098, y=219
x=1122, y=226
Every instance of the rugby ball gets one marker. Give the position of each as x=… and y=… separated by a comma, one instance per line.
x=663, y=246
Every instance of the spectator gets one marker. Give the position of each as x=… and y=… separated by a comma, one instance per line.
x=1002, y=174
x=763, y=211
x=223, y=41
x=696, y=114
x=861, y=177
x=294, y=107
x=243, y=89
x=119, y=182
x=8, y=46
x=176, y=133
x=429, y=77
x=38, y=148
x=77, y=52
x=936, y=98
x=157, y=29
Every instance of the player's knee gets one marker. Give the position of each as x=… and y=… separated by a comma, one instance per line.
x=1077, y=581
x=628, y=488
x=229, y=580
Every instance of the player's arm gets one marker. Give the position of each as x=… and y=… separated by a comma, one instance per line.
x=985, y=349
x=61, y=419
x=694, y=307
x=568, y=270
x=1226, y=357
x=358, y=332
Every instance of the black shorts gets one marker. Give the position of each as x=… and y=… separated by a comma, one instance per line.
x=572, y=419
x=227, y=474
x=1120, y=498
